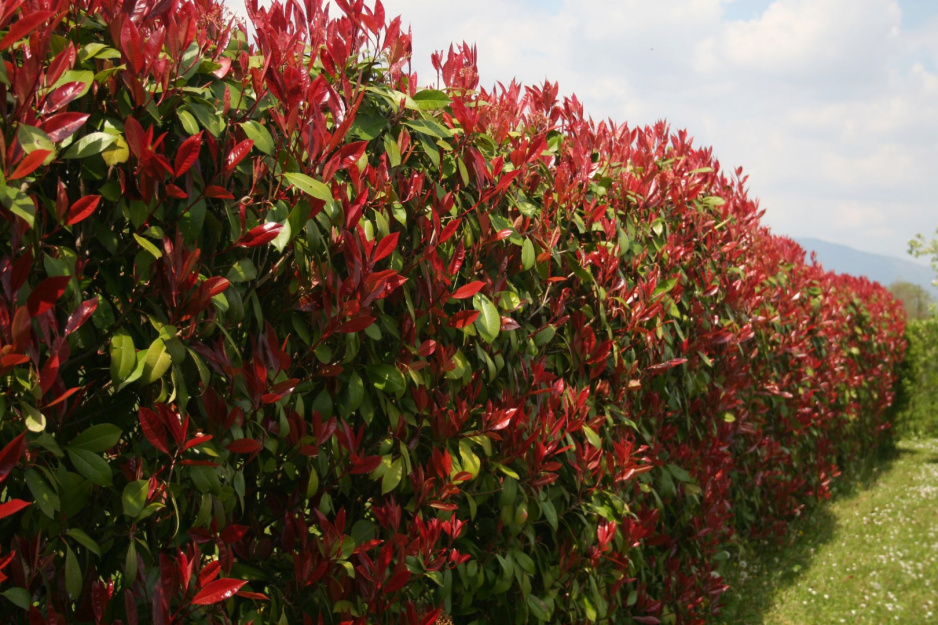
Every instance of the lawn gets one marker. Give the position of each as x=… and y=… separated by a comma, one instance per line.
x=871, y=556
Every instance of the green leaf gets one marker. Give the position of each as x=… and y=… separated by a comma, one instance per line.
x=545, y=335
x=134, y=497
x=242, y=271
x=550, y=513
x=32, y=139
x=35, y=420
x=208, y=117
x=89, y=145
x=393, y=151
x=156, y=363
x=664, y=287
x=539, y=608
x=84, y=540
x=356, y=392
x=19, y=597
x=188, y=121
x=123, y=356
x=488, y=323
x=313, y=484
x=259, y=134
x=19, y=204
x=592, y=437
x=469, y=460
x=387, y=378
x=392, y=477
x=97, y=438
x=73, y=576
x=310, y=186
x=42, y=493
x=431, y=100
x=117, y=153
x=91, y=466
x=528, y=258
x=430, y=127
x=130, y=565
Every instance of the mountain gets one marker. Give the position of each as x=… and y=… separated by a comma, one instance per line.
x=882, y=269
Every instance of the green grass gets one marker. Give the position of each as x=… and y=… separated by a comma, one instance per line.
x=871, y=556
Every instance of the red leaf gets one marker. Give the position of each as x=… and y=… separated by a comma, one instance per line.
x=385, y=246
x=11, y=454
x=45, y=295
x=509, y=324
x=364, y=465
x=23, y=26
x=80, y=315
x=29, y=164
x=449, y=230
x=357, y=324
x=238, y=153
x=219, y=590
x=11, y=360
x=21, y=269
x=64, y=125
x=62, y=96
x=62, y=397
x=49, y=373
x=468, y=290
x=233, y=533
x=463, y=318
x=216, y=285
x=12, y=507
x=188, y=154
x=667, y=365
x=209, y=572
x=426, y=348
x=244, y=446
x=136, y=137
x=153, y=429
x=82, y=209
x=397, y=581
x=259, y=235
x=196, y=441
x=175, y=192
x=218, y=193
x=257, y=596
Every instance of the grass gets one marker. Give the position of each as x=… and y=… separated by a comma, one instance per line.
x=870, y=557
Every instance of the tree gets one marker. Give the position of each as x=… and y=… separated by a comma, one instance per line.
x=919, y=247
x=915, y=299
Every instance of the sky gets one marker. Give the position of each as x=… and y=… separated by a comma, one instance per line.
x=830, y=106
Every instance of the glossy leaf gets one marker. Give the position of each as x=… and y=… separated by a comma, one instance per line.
x=216, y=591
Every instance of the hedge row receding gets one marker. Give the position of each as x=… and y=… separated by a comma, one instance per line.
x=915, y=411
x=288, y=340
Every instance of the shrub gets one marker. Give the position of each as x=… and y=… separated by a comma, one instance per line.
x=290, y=340
x=916, y=403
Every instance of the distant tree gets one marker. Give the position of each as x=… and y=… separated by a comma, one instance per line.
x=915, y=299
x=919, y=247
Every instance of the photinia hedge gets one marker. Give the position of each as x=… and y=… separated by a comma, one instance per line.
x=287, y=339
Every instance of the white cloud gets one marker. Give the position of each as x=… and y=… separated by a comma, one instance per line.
x=831, y=106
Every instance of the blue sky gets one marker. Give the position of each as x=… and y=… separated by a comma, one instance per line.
x=831, y=106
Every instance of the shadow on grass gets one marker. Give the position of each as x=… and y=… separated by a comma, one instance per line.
x=765, y=569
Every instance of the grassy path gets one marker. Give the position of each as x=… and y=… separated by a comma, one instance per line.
x=870, y=557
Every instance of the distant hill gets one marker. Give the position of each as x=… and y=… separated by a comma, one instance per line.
x=882, y=269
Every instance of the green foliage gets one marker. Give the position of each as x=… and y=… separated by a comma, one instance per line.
x=916, y=407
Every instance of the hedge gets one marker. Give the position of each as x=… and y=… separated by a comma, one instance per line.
x=915, y=411
x=288, y=339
